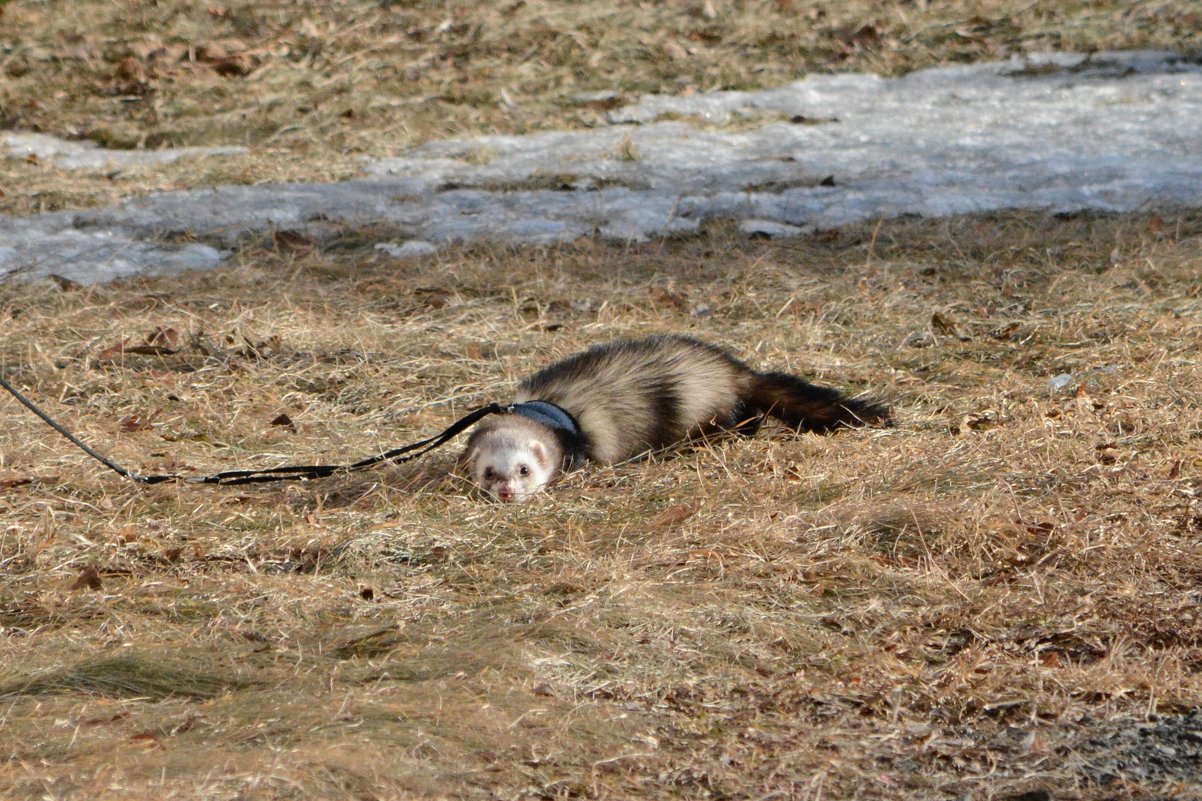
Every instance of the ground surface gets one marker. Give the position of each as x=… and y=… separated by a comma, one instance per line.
x=312, y=88
x=988, y=599
x=1057, y=132
x=997, y=598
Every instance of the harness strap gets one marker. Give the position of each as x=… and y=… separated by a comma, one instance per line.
x=549, y=414
x=100, y=457
x=286, y=473
x=303, y=471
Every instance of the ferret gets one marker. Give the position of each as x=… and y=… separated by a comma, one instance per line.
x=628, y=397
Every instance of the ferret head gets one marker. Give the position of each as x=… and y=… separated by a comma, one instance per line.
x=511, y=460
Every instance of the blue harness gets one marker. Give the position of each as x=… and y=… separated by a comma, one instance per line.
x=571, y=438
x=548, y=414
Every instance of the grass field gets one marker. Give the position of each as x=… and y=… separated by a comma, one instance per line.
x=953, y=605
x=996, y=599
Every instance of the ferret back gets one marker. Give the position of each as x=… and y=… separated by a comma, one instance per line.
x=631, y=396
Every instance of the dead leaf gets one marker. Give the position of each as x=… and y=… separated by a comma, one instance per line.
x=986, y=420
x=665, y=298
x=672, y=516
x=284, y=421
x=164, y=337
x=136, y=422
x=148, y=740
x=1004, y=332
x=261, y=349
x=126, y=535
x=162, y=341
x=89, y=579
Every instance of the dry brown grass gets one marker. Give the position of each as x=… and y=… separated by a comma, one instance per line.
x=314, y=87
x=951, y=607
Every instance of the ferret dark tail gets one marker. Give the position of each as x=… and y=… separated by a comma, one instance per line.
x=807, y=407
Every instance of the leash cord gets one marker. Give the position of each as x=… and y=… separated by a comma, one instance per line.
x=297, y=472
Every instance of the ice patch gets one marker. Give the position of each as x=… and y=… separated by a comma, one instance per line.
x=409, y=250
x=90, y=156
x=47, y=247
x=1111, y=132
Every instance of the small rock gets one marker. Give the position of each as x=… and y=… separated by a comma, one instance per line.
x=1062, y=382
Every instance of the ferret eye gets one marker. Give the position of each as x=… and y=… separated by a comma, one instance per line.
x=488, y=472
x=523, y=470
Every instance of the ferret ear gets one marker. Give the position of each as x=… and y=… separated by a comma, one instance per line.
x=540, y=454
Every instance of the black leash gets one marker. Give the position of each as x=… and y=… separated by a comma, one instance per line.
x=297, y=472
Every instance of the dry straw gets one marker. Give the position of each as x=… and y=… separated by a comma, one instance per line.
x=964, y=601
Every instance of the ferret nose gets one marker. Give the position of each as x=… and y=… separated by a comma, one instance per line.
x=505, y=492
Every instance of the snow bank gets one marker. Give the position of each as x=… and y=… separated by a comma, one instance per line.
x=1110, y=132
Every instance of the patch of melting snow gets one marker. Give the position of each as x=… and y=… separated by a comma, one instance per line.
x=1111, y=132
x=90, y=156
x=407, y=250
